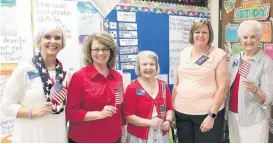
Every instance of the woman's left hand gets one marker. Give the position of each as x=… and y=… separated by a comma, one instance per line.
x=207, y=124
x=250, y=86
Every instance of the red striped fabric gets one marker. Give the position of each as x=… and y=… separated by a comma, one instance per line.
x=119, y=95
x=58, y=96
x=244, y=69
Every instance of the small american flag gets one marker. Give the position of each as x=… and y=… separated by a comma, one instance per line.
x=244, y=69
x=119, y=95
x=58, y=93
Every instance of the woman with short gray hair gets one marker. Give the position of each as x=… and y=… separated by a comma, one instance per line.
x=147, y=103
x=251, y=93
x=35, y=94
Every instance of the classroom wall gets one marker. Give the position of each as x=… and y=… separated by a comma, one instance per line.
x=215, y=21
x=23, y=9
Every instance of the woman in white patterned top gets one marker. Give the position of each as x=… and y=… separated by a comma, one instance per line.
x=35, y=94
x=251, y=88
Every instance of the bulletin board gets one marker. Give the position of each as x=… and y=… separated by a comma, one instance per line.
x=233, y=13
x=159, y=27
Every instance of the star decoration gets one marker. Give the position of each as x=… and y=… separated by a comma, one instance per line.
x=43, y=70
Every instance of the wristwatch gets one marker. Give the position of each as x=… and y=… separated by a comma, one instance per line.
x=213, y=115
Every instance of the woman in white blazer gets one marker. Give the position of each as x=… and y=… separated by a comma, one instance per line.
x=251, y=88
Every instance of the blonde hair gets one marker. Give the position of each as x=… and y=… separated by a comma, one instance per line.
x=107, y=40
x=44, y=29
x=196, y=25
x=150, y=54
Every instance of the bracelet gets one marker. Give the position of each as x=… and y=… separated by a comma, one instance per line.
x=29, y=114
x=256, y=90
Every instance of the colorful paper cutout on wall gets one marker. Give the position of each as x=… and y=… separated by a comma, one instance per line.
x=267, y=35
x=237, y=48
x=229, y=5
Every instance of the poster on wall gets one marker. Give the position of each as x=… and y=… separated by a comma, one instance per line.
x=89, y=21
x=15, y=47
x=63, y=14
x=179, y=28
x=232, y=32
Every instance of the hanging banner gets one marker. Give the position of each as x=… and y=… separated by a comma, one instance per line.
x=251, y=10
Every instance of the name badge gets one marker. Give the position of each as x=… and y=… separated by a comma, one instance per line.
x=235, y=63
x=33, y=74
x=162, y=108
x=201, y=60
x=140, y=92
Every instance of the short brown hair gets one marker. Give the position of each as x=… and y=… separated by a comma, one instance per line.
x=107, y=40
x=197, y=25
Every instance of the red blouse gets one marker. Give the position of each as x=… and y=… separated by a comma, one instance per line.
x=140, y=103
x=91, y=91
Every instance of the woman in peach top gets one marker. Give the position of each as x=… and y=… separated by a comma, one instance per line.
x=200, y=88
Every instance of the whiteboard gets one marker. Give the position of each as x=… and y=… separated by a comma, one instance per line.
x=179, y=28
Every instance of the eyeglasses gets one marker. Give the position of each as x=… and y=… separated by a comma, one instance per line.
x=104, y=50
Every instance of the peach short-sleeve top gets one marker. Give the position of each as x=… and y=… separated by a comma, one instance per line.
x=197, y=83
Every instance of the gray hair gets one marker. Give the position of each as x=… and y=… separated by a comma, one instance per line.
x=150, y=54
x=250, y=25
x=44, y=29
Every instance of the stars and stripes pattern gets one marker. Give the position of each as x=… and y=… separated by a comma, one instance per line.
x=57, y=98
x=119, y=94
x=244, y=69
x=58, y=93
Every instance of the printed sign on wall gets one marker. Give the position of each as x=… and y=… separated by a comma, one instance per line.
x=232, y=32
x=251, y=10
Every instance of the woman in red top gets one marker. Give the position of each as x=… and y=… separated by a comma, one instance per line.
x=95, y=95
x=147, y=103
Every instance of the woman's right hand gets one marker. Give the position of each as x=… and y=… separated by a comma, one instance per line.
x=43, y=111
x=156, y=122
x=108, y=111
